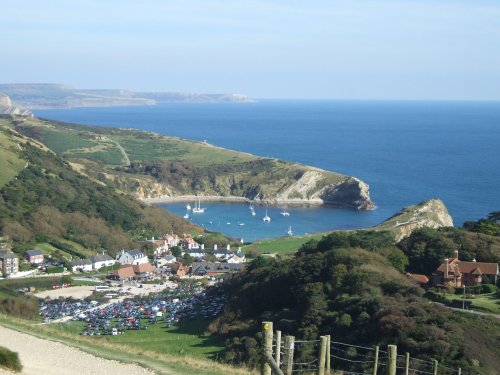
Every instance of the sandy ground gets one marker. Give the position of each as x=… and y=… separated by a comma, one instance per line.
x=79, y=292
x=46, y=357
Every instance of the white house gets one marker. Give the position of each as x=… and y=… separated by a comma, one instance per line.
x=132, y=257
x=101, y=260
x=166, y=260
x=81, y=265
x=237, y=258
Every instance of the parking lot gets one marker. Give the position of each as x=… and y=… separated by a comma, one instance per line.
x=136, y=309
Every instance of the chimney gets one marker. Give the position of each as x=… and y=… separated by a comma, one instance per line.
x=203, y=246
x=228, y=247
x=447, y=265
x=456, y=254
x=215, y=246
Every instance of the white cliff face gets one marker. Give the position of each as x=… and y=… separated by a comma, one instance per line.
x=351, y=192
x=7, y=108
x=431, y=214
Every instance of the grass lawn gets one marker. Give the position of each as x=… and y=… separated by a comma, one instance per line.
x=184, y=339
x=484, y=302
x=285, y=245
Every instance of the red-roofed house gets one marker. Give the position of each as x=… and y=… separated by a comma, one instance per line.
x=419, y=279
x=458, y=273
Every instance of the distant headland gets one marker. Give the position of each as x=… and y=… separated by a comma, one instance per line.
x=49, y=96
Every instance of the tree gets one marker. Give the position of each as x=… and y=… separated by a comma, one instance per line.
x=176, y=251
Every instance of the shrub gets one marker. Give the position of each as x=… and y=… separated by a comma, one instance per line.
x=10, y=360
x=489, y=288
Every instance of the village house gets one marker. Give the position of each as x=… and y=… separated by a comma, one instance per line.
x=215, y=268
x=421, y=280
x=34, y=256
x=237, y=258
x=164, y=261
x=189, y=243
x=81, y=265
x=179, y=269
x=101, y=260
x=220, y=254
x=135, y=271
x=9, y=263
x=457, y=273
x=132, y=257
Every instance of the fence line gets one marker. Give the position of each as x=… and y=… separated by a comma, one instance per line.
x=290, y=356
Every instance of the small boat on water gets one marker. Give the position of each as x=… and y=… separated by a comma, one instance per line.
x=186, y=216
x=241, y=224
x=290, y=232
x=188, y=207
x=266, y=218
x=197, y=208
x=284, y=213
x=252, y=211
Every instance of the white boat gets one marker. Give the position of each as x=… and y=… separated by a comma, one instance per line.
x=197, y=208
x=266, y=218
x=284, y=213
x=186, y=216
x=241, y=224
x=188, y=207
x=290, y=231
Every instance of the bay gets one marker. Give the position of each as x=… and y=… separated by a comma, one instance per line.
x=406, y=151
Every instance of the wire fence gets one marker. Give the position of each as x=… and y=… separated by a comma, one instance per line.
x=351, y=359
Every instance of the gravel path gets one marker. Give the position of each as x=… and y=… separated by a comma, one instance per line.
x=47, y=357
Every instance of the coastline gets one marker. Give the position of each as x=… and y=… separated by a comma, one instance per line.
x=232, y=199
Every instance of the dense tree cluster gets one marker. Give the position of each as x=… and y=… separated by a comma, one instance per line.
x=345, y=285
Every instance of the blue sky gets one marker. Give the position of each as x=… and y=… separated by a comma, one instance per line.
x=352, y=49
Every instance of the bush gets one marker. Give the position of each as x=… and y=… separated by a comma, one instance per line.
x=21, y=307
x=489, y=288
x=10, y=360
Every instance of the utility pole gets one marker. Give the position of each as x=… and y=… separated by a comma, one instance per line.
x=463, y=301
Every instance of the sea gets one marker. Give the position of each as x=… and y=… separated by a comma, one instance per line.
x=407, y=151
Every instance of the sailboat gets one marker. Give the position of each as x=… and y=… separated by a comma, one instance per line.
x=284, y=213
x=252, y=211
x=197, y=208
x=188, y=207
x=266, y=218
x=290, y=232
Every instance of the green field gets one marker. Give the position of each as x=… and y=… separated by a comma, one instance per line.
x=284, y=245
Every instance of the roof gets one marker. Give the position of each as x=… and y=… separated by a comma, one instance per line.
x=169, y=257
x=216, y=267
x=102, y=257
x=4, y=254
x=460, y=267
x=143, y=268
x=421, y=279
x=126, y=271
x=32, y=253
x=135, y=253
x=81, y=262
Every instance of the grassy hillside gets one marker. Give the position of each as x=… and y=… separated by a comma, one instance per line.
x=12, y=163
x=151, y=165
x=48, y=201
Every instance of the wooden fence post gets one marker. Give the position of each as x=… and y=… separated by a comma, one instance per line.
x=322, y=355
x=328, y=365
x=391, y=360
x=277, y=353
x=267, y=339
x=375, y=361
x=435, y=367
x=407, y=363
x=289, y=348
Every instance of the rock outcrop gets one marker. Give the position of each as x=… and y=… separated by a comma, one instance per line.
x=351, y=192
x=7, y=108
x=431, y=213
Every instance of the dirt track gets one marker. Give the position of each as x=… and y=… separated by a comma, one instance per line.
x=46, y=357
